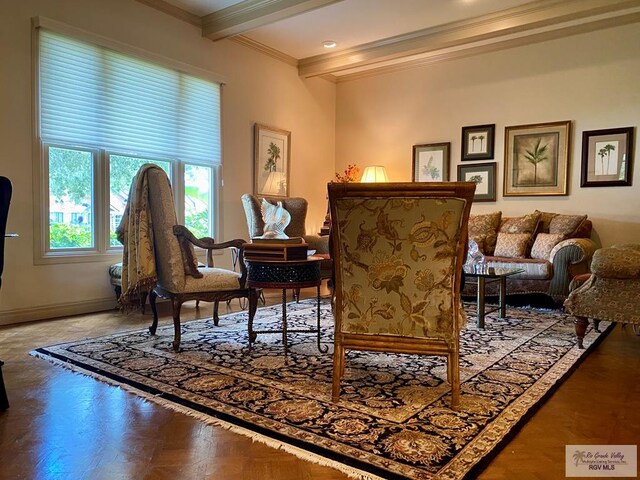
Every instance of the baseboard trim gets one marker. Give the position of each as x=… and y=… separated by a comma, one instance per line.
x=46, y=312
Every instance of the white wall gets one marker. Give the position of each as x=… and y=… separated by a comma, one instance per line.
x=258, y=89
x=591, y=79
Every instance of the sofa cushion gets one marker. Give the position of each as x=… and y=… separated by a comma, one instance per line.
x=484, y=230
x=523, y=224
x=565, y=224
x=512, y=245
x=544, y=243
x=534, y=268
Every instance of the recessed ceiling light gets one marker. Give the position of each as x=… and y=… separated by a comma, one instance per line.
x=329, y=44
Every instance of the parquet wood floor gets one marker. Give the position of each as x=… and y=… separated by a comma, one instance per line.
x=66, y=426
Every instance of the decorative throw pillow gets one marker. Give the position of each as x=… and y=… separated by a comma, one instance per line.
x=512, y=245
x=565, y=224
x=189, y=260
x=483, y=229
x=544, y=243
x=545, y=220
x=524, y=224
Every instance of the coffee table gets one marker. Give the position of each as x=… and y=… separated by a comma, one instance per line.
x=286, y=274
x=484, y=275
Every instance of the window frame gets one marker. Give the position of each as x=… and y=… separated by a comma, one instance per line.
x=102, y=251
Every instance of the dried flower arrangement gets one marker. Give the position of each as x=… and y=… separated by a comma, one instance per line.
x=351, y=174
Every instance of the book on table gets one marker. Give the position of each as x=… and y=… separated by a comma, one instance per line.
x=290, y=240
x=275, y=251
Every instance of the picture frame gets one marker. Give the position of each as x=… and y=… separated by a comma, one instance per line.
x=478, y=142
x=271, y=161
x=431, y=162
x=484, y=175
x=536, y=159
x=607, y=157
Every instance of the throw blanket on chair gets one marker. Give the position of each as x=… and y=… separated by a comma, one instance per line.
x=136, y=234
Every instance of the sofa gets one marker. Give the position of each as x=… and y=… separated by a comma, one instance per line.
x=551, y=248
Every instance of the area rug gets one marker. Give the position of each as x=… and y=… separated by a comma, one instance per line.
x=393, y=420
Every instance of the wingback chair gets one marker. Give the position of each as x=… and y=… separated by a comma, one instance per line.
x=398, y=251
x=297, y=208
x=611, y=293
x=178, y=276
x=5, y=200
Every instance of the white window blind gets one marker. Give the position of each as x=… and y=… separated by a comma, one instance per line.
x=94, y=96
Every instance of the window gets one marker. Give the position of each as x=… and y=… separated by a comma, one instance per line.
x=103, y=114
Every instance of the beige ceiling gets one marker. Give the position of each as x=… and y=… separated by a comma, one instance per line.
x=378, y=35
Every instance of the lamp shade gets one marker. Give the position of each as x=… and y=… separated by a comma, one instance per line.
x=374, y=174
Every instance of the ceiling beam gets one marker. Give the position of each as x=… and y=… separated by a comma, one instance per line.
x=494, y=28
x=251, y=14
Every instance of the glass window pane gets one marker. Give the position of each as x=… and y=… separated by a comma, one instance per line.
x=70, y=198
x=122, y=169
x=197, y=200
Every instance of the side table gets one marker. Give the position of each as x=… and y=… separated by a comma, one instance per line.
x=286, y=274
x=484, y=274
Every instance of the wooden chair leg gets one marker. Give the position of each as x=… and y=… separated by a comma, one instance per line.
x=454, y=365
x=253, y=306
x=216, y=318
x=581, y=324
x=4, y=401
x=154, y=310
x=177, y=305
x=338, y=371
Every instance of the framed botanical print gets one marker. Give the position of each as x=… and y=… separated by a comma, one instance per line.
x=607, y=157
x=484, y=176
x=536, y=159
x=431, y=162
x=271, y=161
x=477, y=142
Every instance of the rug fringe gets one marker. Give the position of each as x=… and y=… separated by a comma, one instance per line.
x=302, y=454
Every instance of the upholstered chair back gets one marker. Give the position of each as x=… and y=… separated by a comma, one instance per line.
x=398, y=251
x=296, y=206
x=169, y=262
x=398, y=262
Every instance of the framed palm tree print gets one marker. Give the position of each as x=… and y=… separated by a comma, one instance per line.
x=271, y=161
x=477, y=142
x=607, y=157
x=536, y=159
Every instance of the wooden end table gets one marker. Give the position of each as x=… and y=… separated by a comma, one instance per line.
x=484, y=275
x=285, y=274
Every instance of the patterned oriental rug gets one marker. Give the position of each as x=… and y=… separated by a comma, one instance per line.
x=393, y=420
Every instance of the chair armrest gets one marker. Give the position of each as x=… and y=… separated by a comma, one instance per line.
x=210, y=245
x=570, y=257
x=318, y=243
x=617, y=262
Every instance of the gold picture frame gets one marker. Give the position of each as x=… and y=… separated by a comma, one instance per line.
x=536, y=159
x=271, y=161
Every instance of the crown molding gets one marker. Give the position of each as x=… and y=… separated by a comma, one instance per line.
x=488, y=32
x=454, y=54
x=174, y=11
x=272, y=52
x=251, y=14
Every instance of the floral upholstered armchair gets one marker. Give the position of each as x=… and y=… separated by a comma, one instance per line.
x=612, y=293
x=398, y=251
